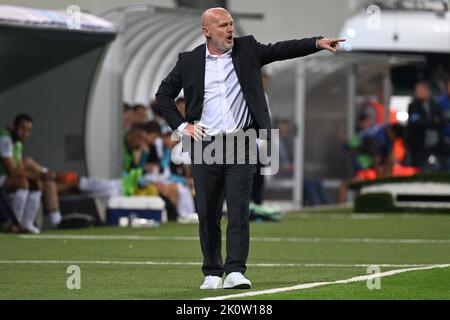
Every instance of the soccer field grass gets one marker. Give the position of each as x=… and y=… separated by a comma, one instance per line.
x=164, y=263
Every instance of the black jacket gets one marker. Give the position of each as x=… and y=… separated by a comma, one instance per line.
x=248, y=57
x=419, y=121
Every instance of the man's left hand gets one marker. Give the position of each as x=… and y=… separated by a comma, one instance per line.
x=331, y=44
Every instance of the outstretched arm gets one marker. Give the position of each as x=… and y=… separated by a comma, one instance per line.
x=284, y=50
x=294, y=48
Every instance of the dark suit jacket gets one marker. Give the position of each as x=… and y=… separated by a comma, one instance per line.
x=419, y=121
x=248, y=57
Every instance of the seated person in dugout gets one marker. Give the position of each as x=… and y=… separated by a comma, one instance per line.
x=173, y=177
x=143, y=168
x=149, y=164
x=139, y=146
x=24, y=180
x=134, y=144
x=135, y=151
x=379, y=151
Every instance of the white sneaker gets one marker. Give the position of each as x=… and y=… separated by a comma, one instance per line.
x=32, y=229
x=212, y=282
x=55, y=218
x=236, y=280
x=191, y=218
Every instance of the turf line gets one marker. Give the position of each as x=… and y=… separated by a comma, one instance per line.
x=190, y=263
x=319, y=284
x=254, y=239
x=359, y=216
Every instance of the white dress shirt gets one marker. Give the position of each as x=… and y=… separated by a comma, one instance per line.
x=224, y=107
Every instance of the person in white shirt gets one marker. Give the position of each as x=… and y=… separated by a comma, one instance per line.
x=221, y=82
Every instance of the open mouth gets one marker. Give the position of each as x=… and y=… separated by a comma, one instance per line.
x=229, y=38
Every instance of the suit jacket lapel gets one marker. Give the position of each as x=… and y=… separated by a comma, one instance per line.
x=196, y=66
x=237, y=63
x=200, y=61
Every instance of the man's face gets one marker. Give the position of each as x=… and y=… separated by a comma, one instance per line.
x=218, y=29
x=140, y=115
x=136, y=139
x=365, y=122
x=23, y=130
x=128, y=115
x=422, y=92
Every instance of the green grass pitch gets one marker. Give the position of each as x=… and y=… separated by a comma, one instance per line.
x=165, y=262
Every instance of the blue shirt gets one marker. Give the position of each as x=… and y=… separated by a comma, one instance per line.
x=444, y=102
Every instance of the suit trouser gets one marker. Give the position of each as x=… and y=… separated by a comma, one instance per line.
x=214, y=183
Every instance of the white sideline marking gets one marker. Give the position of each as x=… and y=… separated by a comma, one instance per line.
x=106, y=237
x=190, y=263
x=255, y=239
x=325, y=215
x=158, y=263
x=361, y=216
x=319, y=284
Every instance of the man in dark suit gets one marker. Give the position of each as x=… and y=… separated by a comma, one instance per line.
x=224, y=95
x=425, y=126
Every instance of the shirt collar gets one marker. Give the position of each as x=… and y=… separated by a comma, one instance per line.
x=212, y=56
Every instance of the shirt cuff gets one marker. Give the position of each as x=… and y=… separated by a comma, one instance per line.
x=317, y=41
x=181, y=128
